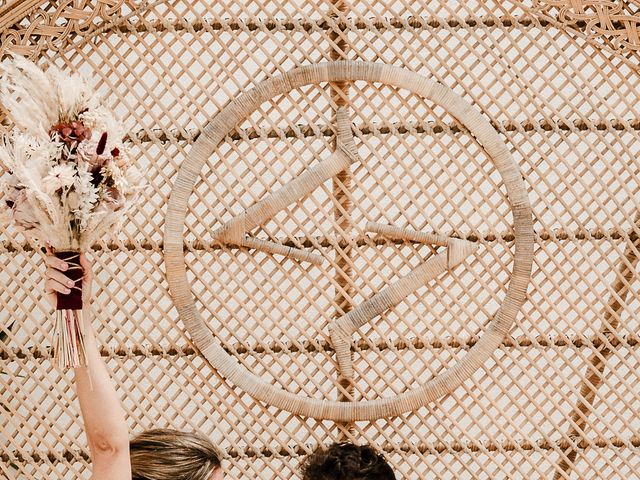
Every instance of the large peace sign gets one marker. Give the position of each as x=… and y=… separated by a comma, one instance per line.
x=234, y=232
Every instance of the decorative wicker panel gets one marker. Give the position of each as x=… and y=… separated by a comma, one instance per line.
x=560, y=396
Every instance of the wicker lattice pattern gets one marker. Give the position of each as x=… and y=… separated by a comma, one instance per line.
x=612, y=23
x=560, y=395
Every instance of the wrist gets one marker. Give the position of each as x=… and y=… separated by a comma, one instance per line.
x=86, y=314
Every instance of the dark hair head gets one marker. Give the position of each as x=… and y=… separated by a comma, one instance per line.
x=346, y=461
x=164, y=454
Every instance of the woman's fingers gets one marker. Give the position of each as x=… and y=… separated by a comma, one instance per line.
x=57, y=281
x=59, y=277
x=55, y=262
x=52, y=285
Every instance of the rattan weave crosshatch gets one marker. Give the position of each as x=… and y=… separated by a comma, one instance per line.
x=555, y=84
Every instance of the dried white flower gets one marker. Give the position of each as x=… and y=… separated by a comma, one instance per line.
x=29, y=96
x=73, y=200
x=102, y=120
x=59, y=176
x=73, y=91
x=87, y=193
x=46, y=208
x=134, y=178
x=29, y=158
x=112, y=170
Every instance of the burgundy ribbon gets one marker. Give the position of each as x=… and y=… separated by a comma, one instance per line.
x=72, y=300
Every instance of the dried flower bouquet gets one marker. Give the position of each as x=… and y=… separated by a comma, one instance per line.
x=68, y=177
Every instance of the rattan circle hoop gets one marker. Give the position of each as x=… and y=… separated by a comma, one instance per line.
x=239, y=109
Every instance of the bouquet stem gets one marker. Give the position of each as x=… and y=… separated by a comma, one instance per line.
x=68, y=348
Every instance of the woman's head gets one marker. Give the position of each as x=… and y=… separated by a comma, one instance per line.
x=164, y=454
x=346, y=461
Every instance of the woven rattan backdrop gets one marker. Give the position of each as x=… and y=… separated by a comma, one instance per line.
x=557, y=79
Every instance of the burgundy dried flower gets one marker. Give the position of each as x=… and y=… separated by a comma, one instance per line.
x=71, y=132
x=102, y=143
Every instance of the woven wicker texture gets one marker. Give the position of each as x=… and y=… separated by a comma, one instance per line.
x=345, y=157
x=558, y=398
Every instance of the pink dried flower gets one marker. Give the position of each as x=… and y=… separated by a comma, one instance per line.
x=88, y=152
x=22, y=212
x=115, y=201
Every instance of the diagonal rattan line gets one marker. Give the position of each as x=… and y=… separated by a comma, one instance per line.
x=431, y=127
x=595, y=372
x=630, y=340
x=423, y=448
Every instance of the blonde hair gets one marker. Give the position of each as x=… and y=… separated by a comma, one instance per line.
x=164, y=454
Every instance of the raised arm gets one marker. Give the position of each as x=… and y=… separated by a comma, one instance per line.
x=103, y=416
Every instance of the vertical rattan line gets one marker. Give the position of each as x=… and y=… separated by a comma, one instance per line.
x=342, y=194
x=594, y=373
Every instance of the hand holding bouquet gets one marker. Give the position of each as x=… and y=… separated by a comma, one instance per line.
x=68, y=176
